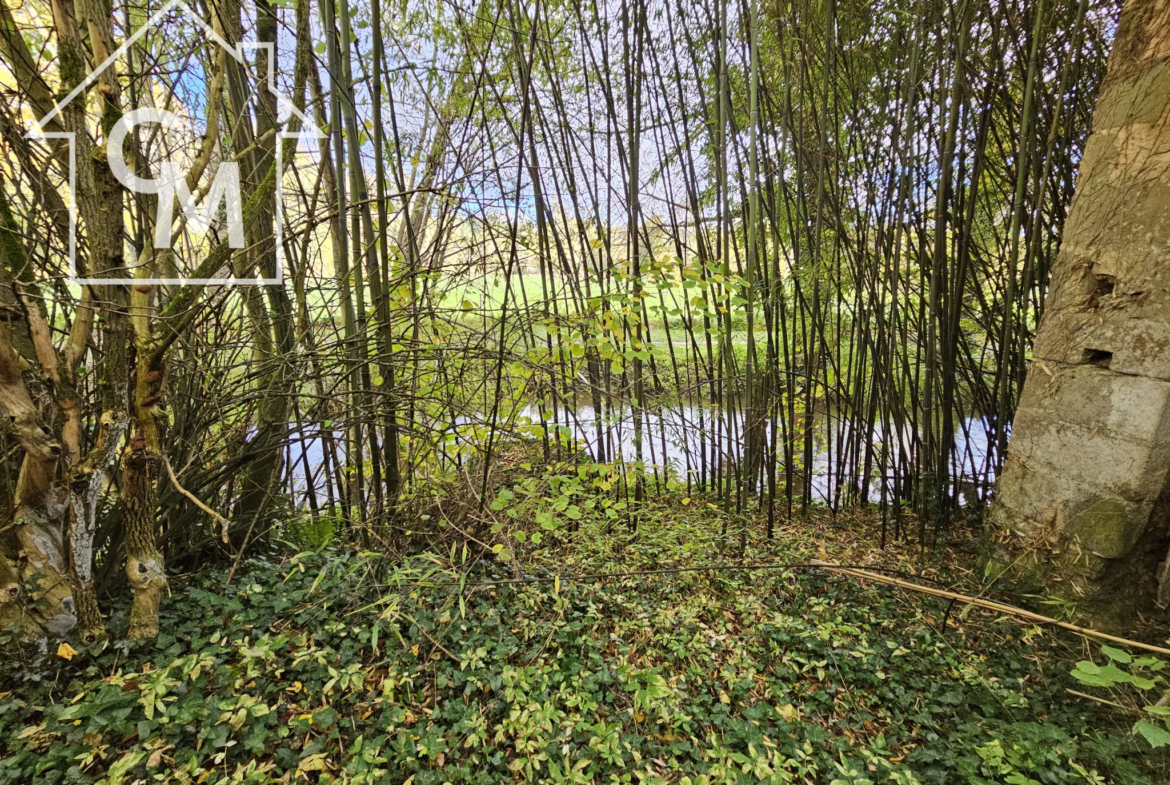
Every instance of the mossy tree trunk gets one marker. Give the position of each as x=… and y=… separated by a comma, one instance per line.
x=144, y=561
x=1082, y=504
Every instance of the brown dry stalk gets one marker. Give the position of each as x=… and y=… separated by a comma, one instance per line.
x=991, y=605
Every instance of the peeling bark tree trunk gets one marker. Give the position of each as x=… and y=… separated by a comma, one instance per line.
x=39, y=508
x=1082, y=504
x=51, y=547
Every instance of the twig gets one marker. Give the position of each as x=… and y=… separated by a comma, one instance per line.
x=999, y=607
x=1098, y=700
x=427, y=635
x=223, y=522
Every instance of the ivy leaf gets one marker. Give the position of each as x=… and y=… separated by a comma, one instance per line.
x=1141, y=682
x=1117, y=655
x=1098, y=676
x=1155, y=735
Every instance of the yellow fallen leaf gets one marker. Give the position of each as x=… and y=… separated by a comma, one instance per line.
x=65, y=651
x=316, y=762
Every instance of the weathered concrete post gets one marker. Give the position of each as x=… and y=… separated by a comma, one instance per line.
x=1082, y=504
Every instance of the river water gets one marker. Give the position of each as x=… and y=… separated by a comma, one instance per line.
x=688, y=437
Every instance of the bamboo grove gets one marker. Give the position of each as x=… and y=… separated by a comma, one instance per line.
x=784, y=253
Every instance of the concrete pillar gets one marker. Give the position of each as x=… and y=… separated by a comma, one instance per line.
x=1082, y=504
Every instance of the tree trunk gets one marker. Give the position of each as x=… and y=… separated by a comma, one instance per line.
x=144, y=562
x=36, y=552
x=1083, y=501
x=274, y=333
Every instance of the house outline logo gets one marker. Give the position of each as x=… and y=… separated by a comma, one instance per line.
x=309, y=131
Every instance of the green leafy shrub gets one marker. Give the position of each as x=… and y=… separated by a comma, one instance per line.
x=335, y=666
x=1133, y=679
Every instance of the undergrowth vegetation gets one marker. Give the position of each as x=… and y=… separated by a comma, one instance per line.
x=610, y=660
